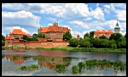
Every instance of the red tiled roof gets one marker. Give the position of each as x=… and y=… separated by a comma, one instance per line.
x=9, y=38
x=103, y=32
x=18, y=31
x=54, y=28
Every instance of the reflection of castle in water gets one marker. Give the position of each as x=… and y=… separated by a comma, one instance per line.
x=43, y=61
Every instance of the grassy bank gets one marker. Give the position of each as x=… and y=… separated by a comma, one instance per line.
x=98, y=64
x=72, y=49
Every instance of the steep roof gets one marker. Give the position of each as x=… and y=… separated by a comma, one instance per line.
x=54, y=28
x=103, y=32
x=18, y=32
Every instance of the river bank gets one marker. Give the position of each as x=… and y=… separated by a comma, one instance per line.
x=71, y=49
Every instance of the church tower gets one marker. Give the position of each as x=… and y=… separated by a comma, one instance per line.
x=117, y=28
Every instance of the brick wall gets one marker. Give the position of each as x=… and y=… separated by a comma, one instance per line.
x=41, y=44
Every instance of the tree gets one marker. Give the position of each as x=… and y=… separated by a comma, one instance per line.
x=100, y=43
x=35, y=35
x=73, y=42
x=86, y=35
x=103, y=37
x=67, y=36
x=115, y=36
x=121, y=43
x=41, y=35
x=3, y=40
x=26, y=38
x=84, y=42
x=75, y=70
x=112, y=44
x=92, y=34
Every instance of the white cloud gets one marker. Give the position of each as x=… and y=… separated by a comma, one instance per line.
x=17, y=27
x=20, y=18
x=10, y=29
x=80, y=24
x=98, y=13
x=13, y=6
x=122, y=15
x=19, y=14
x=81, y=9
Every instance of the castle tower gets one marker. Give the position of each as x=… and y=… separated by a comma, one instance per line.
x=55, y=24
x=117, y=28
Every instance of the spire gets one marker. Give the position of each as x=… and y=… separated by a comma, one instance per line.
x=117, y=24
x=117, y=28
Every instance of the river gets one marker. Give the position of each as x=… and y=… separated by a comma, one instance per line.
x=48, y=60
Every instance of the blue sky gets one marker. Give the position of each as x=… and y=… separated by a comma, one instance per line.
x=79, y=17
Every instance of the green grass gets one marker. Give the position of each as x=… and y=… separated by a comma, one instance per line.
x=74, y=49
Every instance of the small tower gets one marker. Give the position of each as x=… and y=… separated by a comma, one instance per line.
x=78, y=37
x=55, y=24
x=39, y=29
x=117, y=28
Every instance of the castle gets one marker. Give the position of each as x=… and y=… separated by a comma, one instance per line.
x=106, y=33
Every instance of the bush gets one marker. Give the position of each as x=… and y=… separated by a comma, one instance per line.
x=73, y=42
x=121, y=43
x=67, y=36
x=112, y=44
x=84, y=42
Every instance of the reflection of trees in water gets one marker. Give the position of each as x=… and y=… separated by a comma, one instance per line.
x=16, y=59
x=56, y=63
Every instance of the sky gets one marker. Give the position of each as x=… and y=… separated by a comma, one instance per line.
x=79, y=17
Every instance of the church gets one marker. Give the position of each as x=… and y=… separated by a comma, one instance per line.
x=107, y=33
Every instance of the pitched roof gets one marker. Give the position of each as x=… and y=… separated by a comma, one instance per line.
x=18, y=31
x=54, y=28
x=103, y=32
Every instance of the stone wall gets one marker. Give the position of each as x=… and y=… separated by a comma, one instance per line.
x=41, y=44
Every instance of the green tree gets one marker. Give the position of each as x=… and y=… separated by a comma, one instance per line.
x=86, y=35
x=3, y=40
x=84, y=42
x=41, y=35
x=75, y=70
x=121, y=43
x=67, y=36
x=26, y=38
x=100, y=43
x=35, y=35
x=73, y=42
x=112, y=44
x=92, y=34
x=60, y=68
x=116, y=36
x=103, y=37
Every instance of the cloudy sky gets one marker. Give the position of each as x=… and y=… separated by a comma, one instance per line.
x=79, y=17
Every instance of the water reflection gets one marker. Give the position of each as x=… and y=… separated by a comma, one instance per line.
x=43, y=61
x=53, y=62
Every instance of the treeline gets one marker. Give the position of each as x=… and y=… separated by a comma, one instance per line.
x=116, y=40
